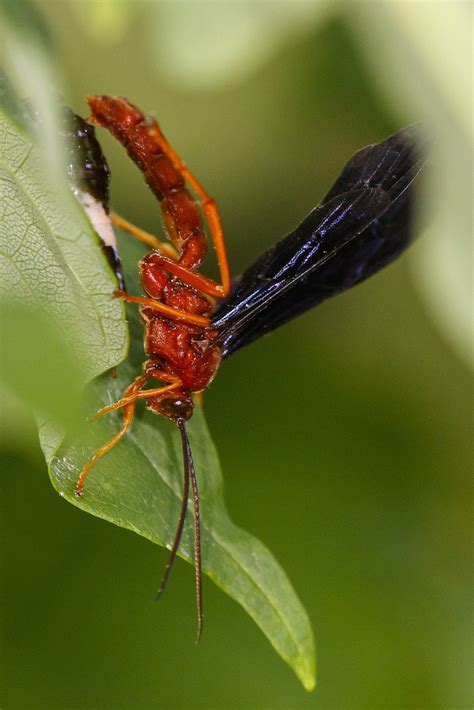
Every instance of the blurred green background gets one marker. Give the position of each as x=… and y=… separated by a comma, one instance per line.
x=344, y=437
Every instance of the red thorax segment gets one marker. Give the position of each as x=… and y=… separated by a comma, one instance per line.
x=185, y=351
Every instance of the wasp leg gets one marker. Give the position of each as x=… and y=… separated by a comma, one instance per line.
x=143, y=236
x=172, y=313
x=128, y=403
x=141, y=394
x=210, y=210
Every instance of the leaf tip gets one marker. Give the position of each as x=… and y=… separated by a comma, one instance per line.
x=306, y=672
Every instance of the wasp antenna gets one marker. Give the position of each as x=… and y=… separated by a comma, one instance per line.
x=184, y=507
x=189, y=466
x=189, y=475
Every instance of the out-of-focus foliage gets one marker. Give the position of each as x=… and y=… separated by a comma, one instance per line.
x=225, y=42
x=202, y=45
x=51, y=259
x=60, y=325
x=25, y=53
x=38, y=365
x=52, y=267
x=344, y=438
x=420, y=56
x=106, y=22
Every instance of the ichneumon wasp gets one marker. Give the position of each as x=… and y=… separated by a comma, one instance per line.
x=191, y=322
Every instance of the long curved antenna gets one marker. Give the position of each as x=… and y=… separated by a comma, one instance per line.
x=189, y=475
x=182, y=515
x=197, y=534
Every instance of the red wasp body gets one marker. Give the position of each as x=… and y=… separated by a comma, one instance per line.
x=361, y=225
x=178, y=341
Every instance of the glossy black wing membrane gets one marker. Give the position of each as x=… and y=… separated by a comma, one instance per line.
x=363, y=223
x=89, y=176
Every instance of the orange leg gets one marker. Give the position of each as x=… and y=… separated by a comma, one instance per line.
x=191, y=277
x=173, y=313
x=141, y=394
x=207, y=286
x=128, y=413
x=152, y=369
x=128, y=403
x=169, y=223
x=143, y=236
x=210, y=210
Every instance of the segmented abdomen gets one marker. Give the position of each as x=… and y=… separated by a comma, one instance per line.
x=148, y=149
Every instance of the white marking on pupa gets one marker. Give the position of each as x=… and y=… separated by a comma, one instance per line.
x=98, y=216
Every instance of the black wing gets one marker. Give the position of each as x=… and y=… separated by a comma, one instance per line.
x=361, y=225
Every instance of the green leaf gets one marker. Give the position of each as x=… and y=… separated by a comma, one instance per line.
x=55, y=394
x=50, y=258
x=25, y=18
x=138, y=486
